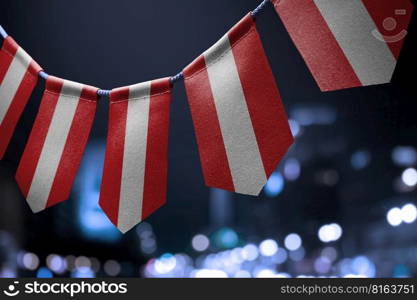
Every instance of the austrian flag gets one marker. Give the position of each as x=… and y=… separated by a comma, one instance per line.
x=347, y=43
x=56, y=144
x=241, y=126
x=18, y=78
x=136, y=162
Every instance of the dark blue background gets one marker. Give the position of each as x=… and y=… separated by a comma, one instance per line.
x=115, y=43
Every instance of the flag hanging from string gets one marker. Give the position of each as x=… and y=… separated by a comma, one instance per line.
x=241, y=126
x=135, y=169
x=56, y=144
x=18, y=78
x=347, y=43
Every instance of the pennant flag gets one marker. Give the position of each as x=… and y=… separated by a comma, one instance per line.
x=347, y=43
x=136, y=163
x=241, y=126
x=18, y=78
x=56, y=144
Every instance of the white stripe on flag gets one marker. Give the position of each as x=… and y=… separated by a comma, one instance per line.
x=12, y=80
x=242, y=149
x=352, y=27
x=134, y=158
x=54, y=145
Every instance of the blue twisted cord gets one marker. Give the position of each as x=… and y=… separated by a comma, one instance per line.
x=177, y=77
x=260, y=8
x=174, y=79
x=103, y=93
x=3, y=32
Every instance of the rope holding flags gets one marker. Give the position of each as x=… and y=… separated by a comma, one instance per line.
x=240, y=122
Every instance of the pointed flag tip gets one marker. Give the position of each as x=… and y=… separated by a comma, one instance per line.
x=36, y=209
x=126, y=228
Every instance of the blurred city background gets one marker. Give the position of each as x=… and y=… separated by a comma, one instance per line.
x=341, y=204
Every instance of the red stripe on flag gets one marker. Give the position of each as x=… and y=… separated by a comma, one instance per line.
x=317, y=45
x=7, y=54
x=241, y=30
x=263, y=99
x=34, y=69
x=10, y=46
x=74, y=147
x=156, y=169
x=206, y=123
x=381, y=10
x=113, y=165
x=33, y=149
x=15, y=110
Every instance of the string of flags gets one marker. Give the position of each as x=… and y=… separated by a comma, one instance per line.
x=240, y=122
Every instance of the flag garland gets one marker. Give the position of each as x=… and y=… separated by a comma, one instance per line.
x=240, y=121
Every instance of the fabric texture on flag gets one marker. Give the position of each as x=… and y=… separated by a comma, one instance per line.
x=347, y=43
x=136, y=163
x=18, y=78
x=57, y=142
x=240, y=122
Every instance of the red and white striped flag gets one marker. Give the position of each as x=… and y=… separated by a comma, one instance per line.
x=241, y=126
x=56, y=144
x=135, y=168
x=18, y=78
x=347, y=43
